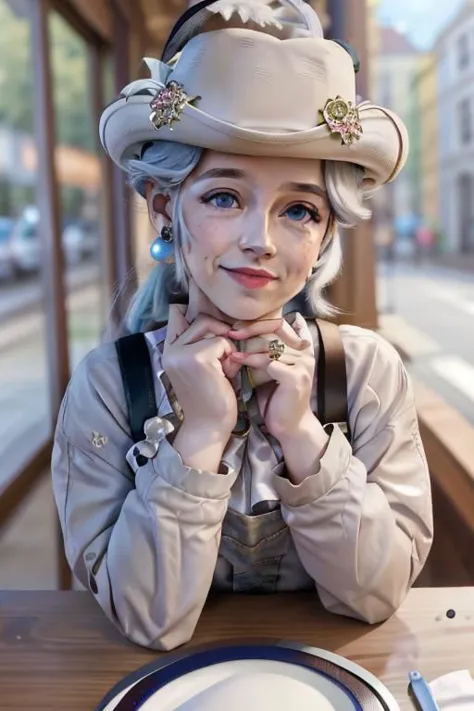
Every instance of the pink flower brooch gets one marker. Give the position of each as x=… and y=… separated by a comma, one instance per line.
x=343, y=118
x=168, y=105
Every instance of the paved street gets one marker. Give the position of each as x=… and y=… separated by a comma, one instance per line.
x=26, y=293
x=435, y=306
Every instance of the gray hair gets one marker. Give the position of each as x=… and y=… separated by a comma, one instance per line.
x=167, y=165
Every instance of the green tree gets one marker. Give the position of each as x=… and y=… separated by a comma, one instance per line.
x=16, y=80
x=71, y=83
x=70, y=75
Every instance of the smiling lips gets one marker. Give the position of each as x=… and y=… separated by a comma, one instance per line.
x=251, y=278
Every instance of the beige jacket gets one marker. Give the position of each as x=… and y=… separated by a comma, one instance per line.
x=150, y=546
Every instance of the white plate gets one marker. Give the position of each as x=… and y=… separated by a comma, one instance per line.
x=251, y=677
x=260, y=684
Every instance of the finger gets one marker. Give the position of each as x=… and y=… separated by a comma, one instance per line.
x=300, y=326
x=204, y=327
x=262, y=345
x=217, y=347
x=257, y=328
x=291, y=338
x=221, y=349
x=262, y=361
x=177, y=323
x=280, y=372
x=276, y=327
x=216, y=350
x=258, y=344
x=230, y=367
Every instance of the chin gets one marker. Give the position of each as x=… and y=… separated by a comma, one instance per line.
x=249, y=310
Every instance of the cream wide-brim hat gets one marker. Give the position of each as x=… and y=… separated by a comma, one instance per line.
x=248, y=92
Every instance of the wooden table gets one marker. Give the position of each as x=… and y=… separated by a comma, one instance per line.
x=58, y=651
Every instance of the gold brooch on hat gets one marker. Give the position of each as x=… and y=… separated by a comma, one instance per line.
x=343, y=118
x=168, y=105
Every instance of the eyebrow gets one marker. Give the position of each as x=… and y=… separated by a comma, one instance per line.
x=237, y=174
x=222, y=173
x=306, y=188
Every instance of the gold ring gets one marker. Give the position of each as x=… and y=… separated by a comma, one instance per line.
x=276, y=348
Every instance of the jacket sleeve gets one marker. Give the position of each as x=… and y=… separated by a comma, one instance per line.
x=363, y=524
x=146, y=548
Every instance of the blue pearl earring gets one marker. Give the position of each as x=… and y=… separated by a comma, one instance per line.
x=162, y=249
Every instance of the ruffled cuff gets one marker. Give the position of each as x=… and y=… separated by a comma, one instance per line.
x=333, y=466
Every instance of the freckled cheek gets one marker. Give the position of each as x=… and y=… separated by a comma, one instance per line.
x=300, y=261
x=206, y=240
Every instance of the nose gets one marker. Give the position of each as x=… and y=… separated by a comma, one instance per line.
x=257, y=238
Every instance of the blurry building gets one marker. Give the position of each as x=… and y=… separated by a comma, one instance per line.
x=455, y=58
x=423, y=127
x=373, y=46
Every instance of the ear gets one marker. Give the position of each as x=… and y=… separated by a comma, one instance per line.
x=158, y=207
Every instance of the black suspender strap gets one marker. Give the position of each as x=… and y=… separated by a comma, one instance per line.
x=137, y=376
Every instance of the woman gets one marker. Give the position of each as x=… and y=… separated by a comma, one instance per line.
x=250, y=151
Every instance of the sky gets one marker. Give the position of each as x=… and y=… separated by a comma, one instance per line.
x=420, y=20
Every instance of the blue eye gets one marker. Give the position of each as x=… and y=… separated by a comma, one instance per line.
x=222, y=200
x=298, y=213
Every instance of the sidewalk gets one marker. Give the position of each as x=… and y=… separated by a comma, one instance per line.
x=26, y=296
x=455, y=260
x=24, y=397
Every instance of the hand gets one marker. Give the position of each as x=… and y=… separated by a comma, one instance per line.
x=196, y=359
x=285, y=404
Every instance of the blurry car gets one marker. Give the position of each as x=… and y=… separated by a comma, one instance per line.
x=90, y=246
x=80, y=240
x=72, y=239
x=7, y=268
x=25, y=244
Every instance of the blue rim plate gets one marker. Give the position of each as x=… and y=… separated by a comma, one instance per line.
x=362, y=690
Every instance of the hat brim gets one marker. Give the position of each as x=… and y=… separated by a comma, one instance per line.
x=381, y=150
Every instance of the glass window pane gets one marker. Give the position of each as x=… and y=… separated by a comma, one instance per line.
x=79, y=174
x=24, y=397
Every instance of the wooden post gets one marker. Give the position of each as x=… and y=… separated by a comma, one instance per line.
x=50, y=230
x=122, y=222
x=355, y=290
